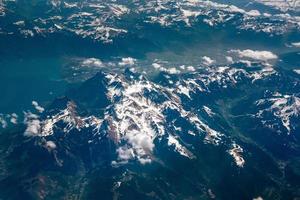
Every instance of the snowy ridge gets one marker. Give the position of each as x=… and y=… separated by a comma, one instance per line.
x=136, y=120
x=139, y=120
x=103, y=21
x=282, y=107
x=68, y=116
x=222, y=77
x=137, y=117
x=213, y=14
x=283, y=5
x=236, y=153
x=2, y=9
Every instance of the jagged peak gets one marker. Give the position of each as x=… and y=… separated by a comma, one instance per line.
x=282, y=107
x=134, y=120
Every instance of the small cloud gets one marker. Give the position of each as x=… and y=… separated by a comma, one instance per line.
x=14, y=118
x=37, y=107
x=127, y=61
x=207, y=60
x=173, y=70
x=92, y=62
x=187, y=68
x=296, y=44
x=229, y=59
x=156, y=65
x=33, y=128
x=50, y=145
x=190, y=68
x=125, y=153
x=33, y=124
x=253, y=13
x=6, y=118
x=258, y=198
x=19, y=23
x=3, y=122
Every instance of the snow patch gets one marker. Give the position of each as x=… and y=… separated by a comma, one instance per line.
x=297, y=71
x=236, y=152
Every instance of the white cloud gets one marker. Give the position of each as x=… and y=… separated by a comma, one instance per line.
x=296, y=44
x=37, y=107
x=267, y=15
x=125, y=153
x=33, y=124
x=3, y=122
x=253, y=13
x=20, y=23
x=258, y=198
x=190, y=68
x=50, y=145
x=127, y=61
x=142, y=142
x=207, y=60
x=14, y=118
x=139, y=146
x=255, y=55
x=6, y=118
x=156, y=65
x=92, y=62
x=229, y=59
x=33, y=128
x=173, y=70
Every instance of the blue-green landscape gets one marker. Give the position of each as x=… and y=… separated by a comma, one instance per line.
x=150, y=99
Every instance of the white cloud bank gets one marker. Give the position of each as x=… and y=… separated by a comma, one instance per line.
x=255, y=55
x=92, y=62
